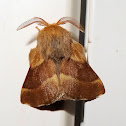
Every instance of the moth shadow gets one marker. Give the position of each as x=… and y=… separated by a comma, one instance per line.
x=32, y=39
x=68, y=106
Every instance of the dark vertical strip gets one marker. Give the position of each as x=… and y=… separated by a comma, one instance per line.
x=82, y=21
x=79, y=105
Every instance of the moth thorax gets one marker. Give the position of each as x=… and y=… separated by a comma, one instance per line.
x=55, y=43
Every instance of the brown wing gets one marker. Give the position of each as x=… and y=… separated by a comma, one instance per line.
x=41, y=84
x=77, y=78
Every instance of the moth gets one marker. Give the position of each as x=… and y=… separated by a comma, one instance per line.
x=58, y=68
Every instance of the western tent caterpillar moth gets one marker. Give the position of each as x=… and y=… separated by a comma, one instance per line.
x=58, y=68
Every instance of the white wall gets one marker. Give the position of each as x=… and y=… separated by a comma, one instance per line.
x=107, y=56
x=14, y=58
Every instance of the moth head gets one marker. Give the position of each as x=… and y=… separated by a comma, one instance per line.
x=53, y=40
x=42, y=22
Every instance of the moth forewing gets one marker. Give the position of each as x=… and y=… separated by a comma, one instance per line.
x=58, y=68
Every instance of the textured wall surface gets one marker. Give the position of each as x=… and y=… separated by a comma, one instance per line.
x=107, y=56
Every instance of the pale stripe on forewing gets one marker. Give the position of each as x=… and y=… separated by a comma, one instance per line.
x=54, y=78
x=64, y=78
x=67, y=77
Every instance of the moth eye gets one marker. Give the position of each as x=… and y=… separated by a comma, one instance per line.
x=37, y=20
x=61, y=57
